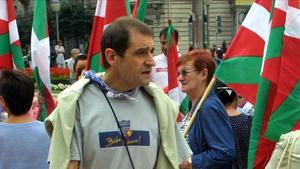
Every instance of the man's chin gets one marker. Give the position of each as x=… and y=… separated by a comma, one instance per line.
x=145, y=83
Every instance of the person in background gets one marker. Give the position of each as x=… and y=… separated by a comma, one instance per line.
x=79, y=66
x=218, y=55
x=245, y=107
x=27, y=56
x=160, y=69
x=24, y=142
x=240, y=123
x=159, y=72
x=60, y=50
x=118, y=119
x=210, y=136
x=70, y=63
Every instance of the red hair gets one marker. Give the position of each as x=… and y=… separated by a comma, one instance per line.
x=201, y=60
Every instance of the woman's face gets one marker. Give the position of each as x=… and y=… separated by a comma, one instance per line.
x=189, y=77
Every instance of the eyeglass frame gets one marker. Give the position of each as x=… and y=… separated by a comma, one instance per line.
x=184, y=72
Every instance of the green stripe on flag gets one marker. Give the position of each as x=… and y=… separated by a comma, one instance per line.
x=40, y=18
x=5, y=46
x=128, y=9
x=285, y=116
x=43, y=113
x=169, y=36
x=142, y=9
x=275, y=47
x=260, y=109
x=17, y=56
x=95, y=63
x=184, y=106
x=236, y=70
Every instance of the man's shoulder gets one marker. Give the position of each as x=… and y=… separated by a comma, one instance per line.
x=90, y=88
x=76, y=88
x=156, y=91
x=153, y=87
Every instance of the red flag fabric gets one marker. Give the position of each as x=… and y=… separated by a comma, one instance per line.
x=40, y=52
x=10, y=46
x=277, y=108
x=172, y=60
x=135, y=9
x=173, y=88
x=241, y=66
x=106, y=12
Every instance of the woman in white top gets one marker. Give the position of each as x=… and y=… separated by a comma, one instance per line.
x=60, y=50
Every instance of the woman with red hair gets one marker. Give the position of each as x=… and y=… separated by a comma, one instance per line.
x=210, y=137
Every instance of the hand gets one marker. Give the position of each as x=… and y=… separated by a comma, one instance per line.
x=185, y=165
x=40, y=98
x=73, y=164
x=82, y=74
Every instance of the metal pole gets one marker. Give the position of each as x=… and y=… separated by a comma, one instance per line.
x=57, y=27
x=198, y=23
x=169, y=8
x=206, y=25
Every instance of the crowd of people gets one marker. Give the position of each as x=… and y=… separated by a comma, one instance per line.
x=122, y=118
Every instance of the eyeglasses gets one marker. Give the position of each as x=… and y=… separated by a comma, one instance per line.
x=184, y=72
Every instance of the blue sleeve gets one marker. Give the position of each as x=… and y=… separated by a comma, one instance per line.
x=218, y=135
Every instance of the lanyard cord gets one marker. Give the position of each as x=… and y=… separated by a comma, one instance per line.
x=119, y=126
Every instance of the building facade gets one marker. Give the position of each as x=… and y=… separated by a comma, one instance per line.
x=222, y=18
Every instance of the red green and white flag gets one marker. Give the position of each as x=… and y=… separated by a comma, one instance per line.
x=40, y=53
x=278, y=99
x=140, y=9
x=10, y=47
x=276, y=75
x=173, y=88
x=241, y=66
x=106, y=12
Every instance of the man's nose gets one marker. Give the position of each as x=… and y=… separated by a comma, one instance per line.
x=150, y=60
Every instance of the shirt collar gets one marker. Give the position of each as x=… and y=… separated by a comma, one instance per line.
x=97, y=80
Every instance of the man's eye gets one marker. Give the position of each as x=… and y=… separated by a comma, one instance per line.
x=141, y=52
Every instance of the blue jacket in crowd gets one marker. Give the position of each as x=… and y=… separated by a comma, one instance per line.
x=211, y=136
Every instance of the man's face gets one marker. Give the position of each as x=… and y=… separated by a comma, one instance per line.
x=80, y=66
x=163, y=44
x=134, y=68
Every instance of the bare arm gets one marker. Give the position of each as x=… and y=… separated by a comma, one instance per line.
x=73, y=164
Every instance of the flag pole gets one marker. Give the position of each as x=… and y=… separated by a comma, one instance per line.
x=208, y=89
x=169, y=8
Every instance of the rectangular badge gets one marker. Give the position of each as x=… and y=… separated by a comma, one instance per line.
x=133, y=138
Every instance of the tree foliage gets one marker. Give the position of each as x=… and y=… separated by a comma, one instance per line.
x=75, y=21
x=24, y=28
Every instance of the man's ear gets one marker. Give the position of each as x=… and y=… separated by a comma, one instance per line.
x=110, y=56
x=2, y=103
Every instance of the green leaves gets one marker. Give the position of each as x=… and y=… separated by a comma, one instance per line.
x=75, y=21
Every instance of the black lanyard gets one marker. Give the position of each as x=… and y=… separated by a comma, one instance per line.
x=119, y=126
